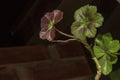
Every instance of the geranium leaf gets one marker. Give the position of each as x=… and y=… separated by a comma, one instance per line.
x=104, y=48
x=107, y=43
x=90, y=13
x=47, y=24
x=86, y=21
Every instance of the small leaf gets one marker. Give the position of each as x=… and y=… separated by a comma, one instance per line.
x=86, y=21
x=104, y=49
x=107, y=43
x=47, y=24
x=89, y=13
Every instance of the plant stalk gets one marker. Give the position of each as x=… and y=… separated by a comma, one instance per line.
x=117, y=54
x=64, y=33
x=99, y=72
x=64, y=41
x=88, y=47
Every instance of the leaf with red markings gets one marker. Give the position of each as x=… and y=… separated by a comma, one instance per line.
x=47, y=24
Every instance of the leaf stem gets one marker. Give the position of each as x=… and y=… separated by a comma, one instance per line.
x=117, y=53
x=64, y=41
x=99, y=72
x=64, y=33
x=88, y=47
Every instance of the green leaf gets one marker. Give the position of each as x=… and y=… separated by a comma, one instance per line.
x=106, y=66
x=98, y=51
x=107, y=43
x=104, y=49
x=86, y=21
x=90, y=15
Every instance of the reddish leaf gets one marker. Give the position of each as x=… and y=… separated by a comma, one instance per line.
x=46, y=32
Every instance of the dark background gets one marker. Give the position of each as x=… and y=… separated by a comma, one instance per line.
x=20, y=19
x=13, y=13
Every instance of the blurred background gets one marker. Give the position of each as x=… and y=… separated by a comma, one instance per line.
x=20, y=43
